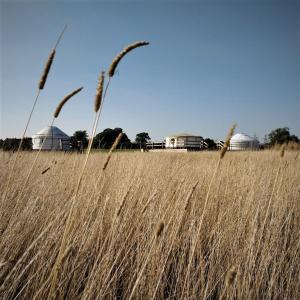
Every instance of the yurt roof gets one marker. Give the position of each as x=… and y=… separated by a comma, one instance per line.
x=51, y=130
x=183, y=134
x=242, y=137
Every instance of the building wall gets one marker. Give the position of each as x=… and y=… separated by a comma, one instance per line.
x=184, y=142
x=244, y=145
x=50, y=144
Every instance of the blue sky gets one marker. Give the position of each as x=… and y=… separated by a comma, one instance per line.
x=209, y=64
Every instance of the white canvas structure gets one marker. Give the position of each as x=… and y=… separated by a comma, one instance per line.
x=184, y=140
x=242, y=141
x=51, y=138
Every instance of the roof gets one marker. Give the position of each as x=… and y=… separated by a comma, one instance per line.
x=51, y=131
x=242, y=137
x=182, y=134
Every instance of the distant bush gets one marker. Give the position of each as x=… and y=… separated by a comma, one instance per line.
x=12, y=144
x=280, y=136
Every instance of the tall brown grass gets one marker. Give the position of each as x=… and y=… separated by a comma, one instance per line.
x=71, y=220
x=55, y=116
x=242, y=252
x=41, y=86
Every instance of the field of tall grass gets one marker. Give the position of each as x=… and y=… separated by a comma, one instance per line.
x=152, y=226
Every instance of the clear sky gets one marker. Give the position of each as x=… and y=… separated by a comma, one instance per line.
x=209, y=64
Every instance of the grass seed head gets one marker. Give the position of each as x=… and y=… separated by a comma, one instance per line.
x=227, y=141
x=46, y=170
x=282, y=150
x=99, y=92
x=113, y=147
x=64, y=101
x=118, y=58
x=116, y=142
x=160, y=229
x=46, y=69
x=230, y=276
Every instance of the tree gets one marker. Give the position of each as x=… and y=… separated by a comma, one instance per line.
x=142, y=138
x=211, y=145
x=106, y=138
x=12, y=144
x=80, y=137
x=281, y=136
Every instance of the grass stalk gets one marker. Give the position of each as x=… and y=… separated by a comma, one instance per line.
x=41, y=86
x=197, y=236
x=69, y=225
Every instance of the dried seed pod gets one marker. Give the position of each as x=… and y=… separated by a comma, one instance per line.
x=113, y=147
x=64, y=100
x=282, y=150
x=99, y=92
x=230, y=276
x=46, y=170
x=227, y=141
x=46, y=69
x=118, y=58
x=160, y=229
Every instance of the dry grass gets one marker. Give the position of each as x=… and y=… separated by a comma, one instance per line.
x=99, y=92
x=64, y=101
x=248, y=246
x=118, y=58
x=41, y=86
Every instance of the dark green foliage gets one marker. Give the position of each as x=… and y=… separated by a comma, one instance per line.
x=142, y=138
x=12, y=144
x=106, y=138
x=79, y=139
x=211, y=145
x=281, y=136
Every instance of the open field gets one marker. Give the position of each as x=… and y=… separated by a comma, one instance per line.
x=153, y=226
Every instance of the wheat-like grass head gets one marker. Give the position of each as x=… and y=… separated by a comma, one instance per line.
x=64, y=101
x=227, y=141
x=126, y=50
x=46, y=69
x=99, y=92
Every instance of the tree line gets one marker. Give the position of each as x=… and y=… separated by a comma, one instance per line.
x=105, y=139
x=80, y=139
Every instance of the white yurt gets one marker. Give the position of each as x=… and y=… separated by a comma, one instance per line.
x=184, y=140
x=51, y=138
x=242, y=141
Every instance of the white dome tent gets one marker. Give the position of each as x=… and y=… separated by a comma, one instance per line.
x=51, y=138
x=242, y=141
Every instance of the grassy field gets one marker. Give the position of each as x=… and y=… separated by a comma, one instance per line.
x=153, y=226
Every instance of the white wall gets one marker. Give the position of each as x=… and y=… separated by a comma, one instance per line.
x=244, y=145
x=49, y=144
x=185, y=141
